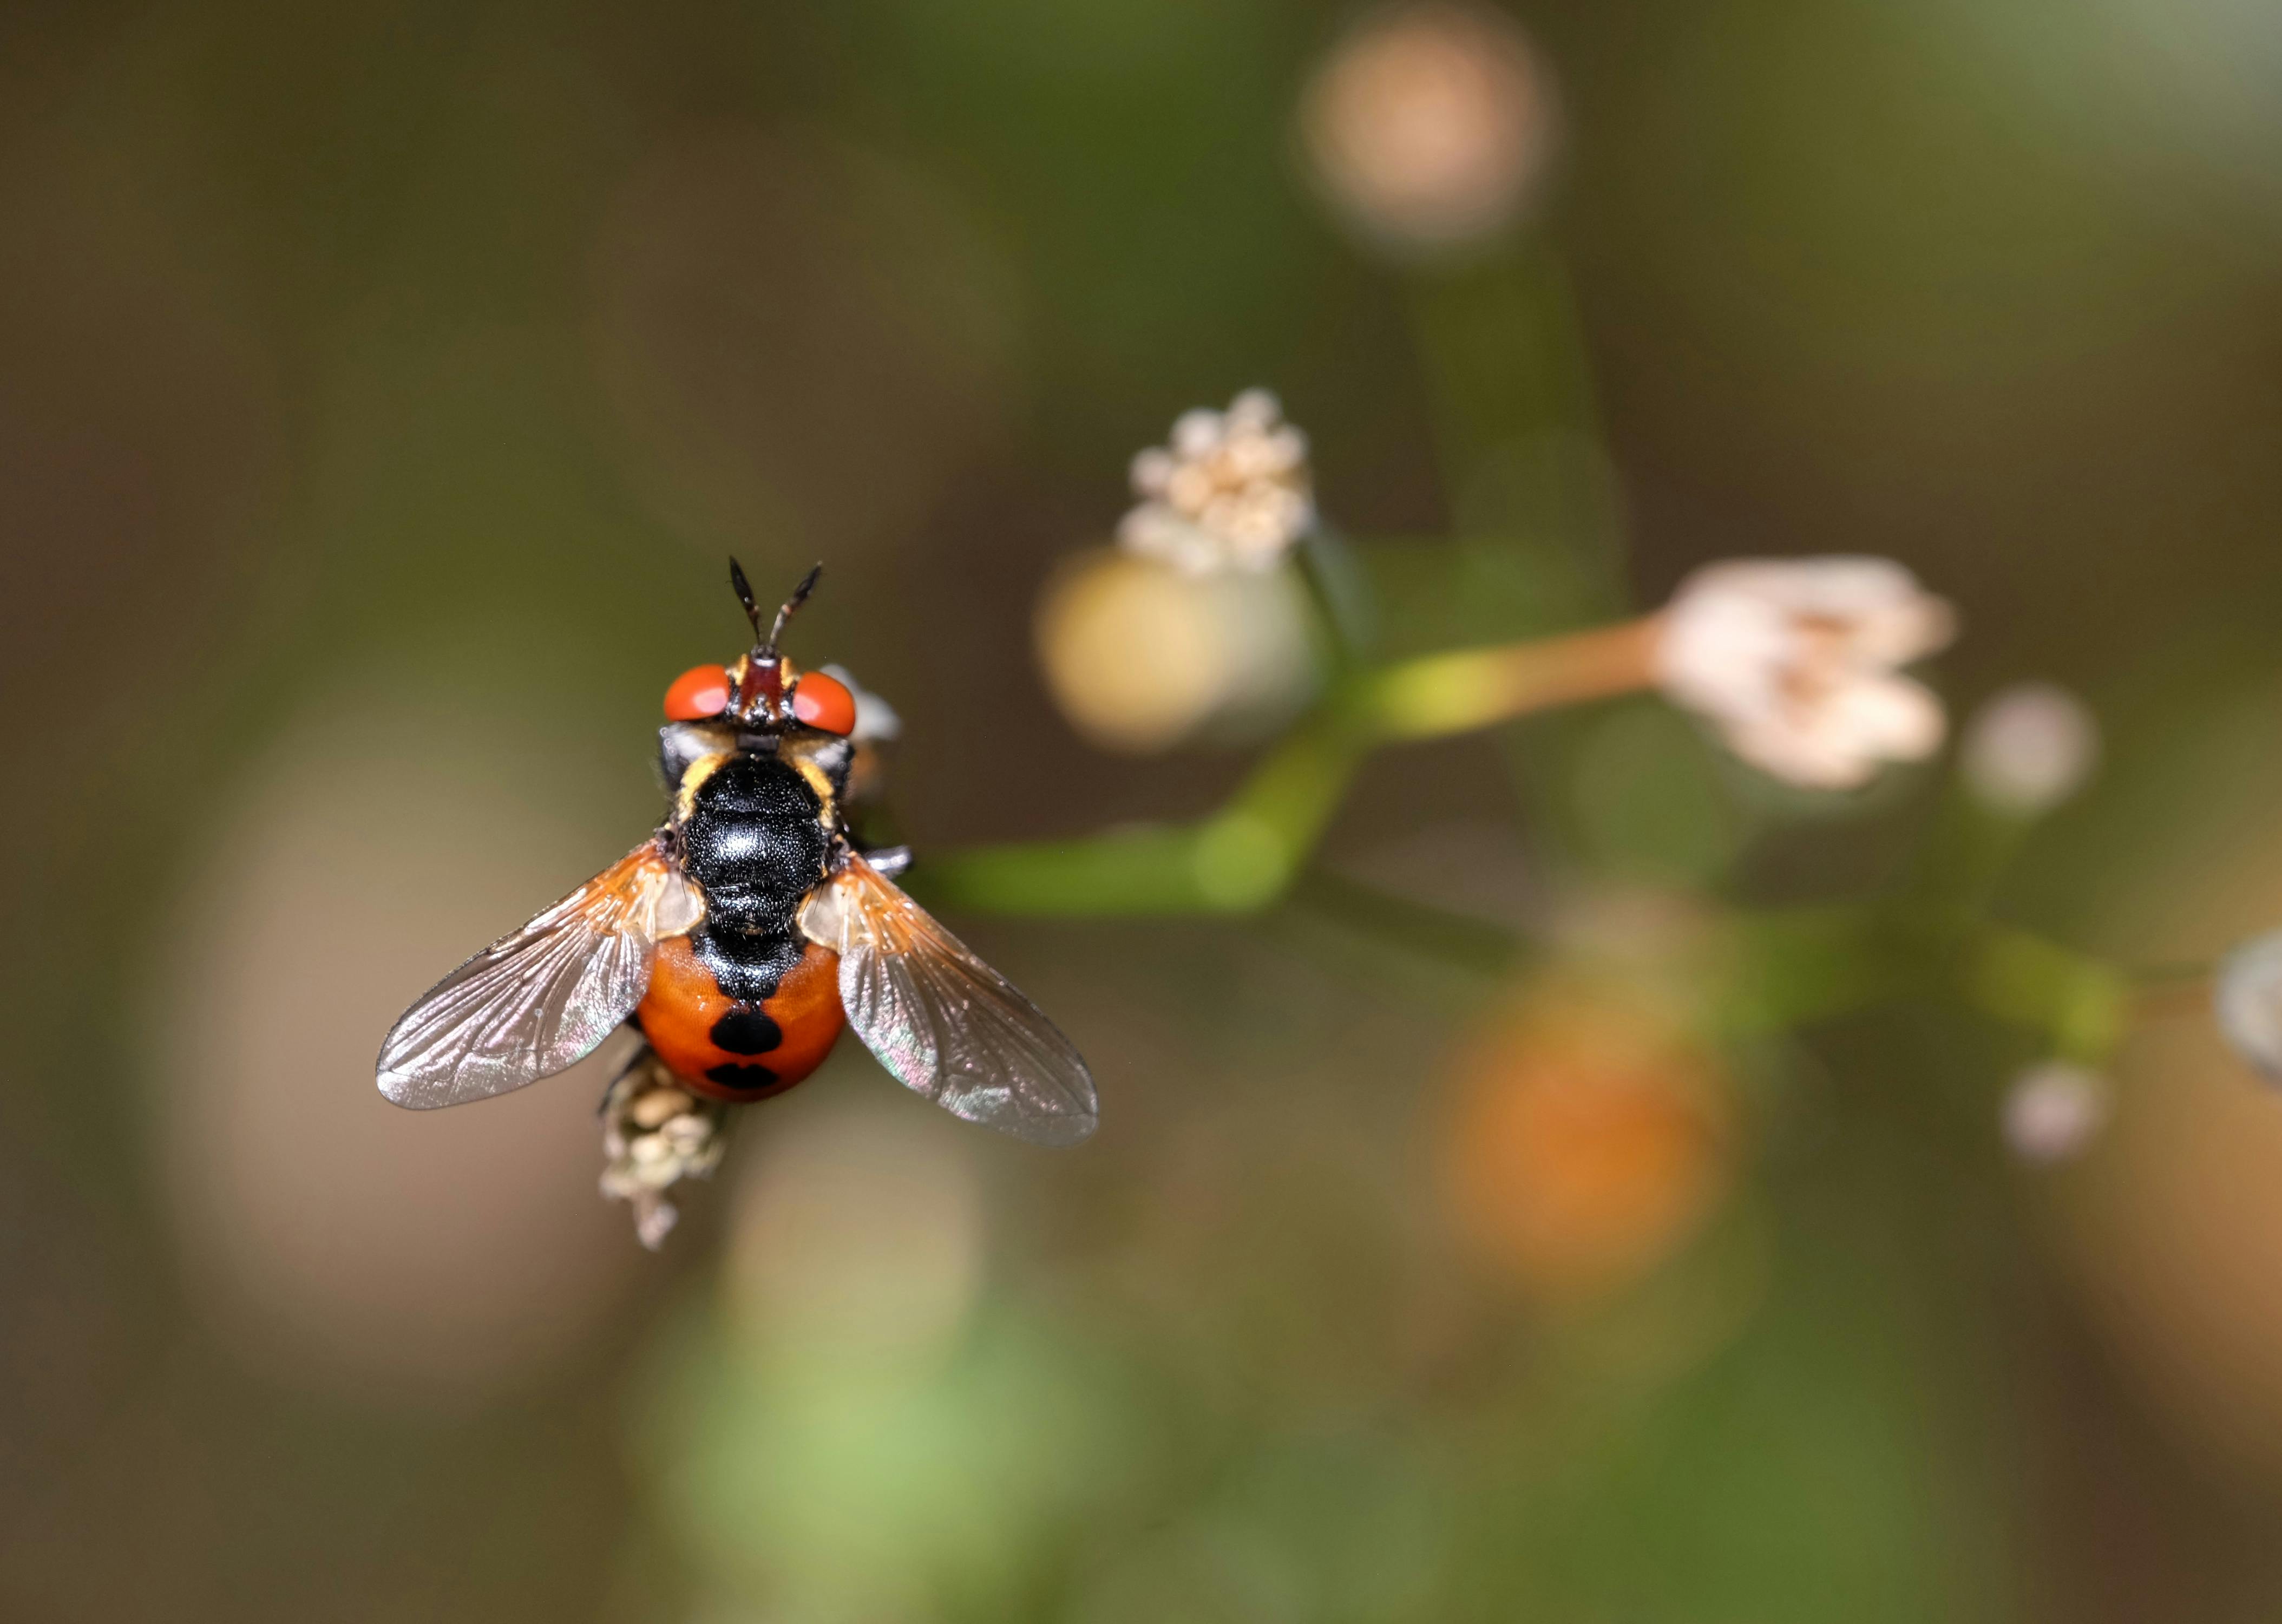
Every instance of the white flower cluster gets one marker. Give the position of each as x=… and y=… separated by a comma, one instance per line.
x=1797, y=662
x=1230, y=492
x=653, y=1136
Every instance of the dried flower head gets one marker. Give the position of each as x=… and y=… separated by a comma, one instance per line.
x=2029, y=748
x=2053, y=1110
x=2248, y=1002
x=1230, y=491
x=1796, y=662
x=1431, y=125
x=656, y=1134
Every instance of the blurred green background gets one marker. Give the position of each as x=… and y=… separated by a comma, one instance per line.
x=380, y=389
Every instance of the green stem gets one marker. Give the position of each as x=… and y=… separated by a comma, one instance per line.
x=1242, y=857
x=1795, y=966
x=1235, y=861
x=1461, y=692
x=2079, y=1003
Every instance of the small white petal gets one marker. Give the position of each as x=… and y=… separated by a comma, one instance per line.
x=1719, y=649
x=1196, y=433
x=1844, y=586
x=1255, y=408
x=1153, y=470
x=1899, y=633
x=1890, y=718
x=1812, y=757
x=1191, y=489
x=1250, y=459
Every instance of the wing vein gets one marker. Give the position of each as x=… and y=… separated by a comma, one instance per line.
x=541, y=999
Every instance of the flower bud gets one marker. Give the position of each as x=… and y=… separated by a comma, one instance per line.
x=1141, y=655
x=2247, y=1003
x=2053, y=1110
x=2029, y=748
x=1430, y=125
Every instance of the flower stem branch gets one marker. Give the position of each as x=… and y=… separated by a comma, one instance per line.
x=1445, y=694
x=2081, y=1003
x=1242, y=857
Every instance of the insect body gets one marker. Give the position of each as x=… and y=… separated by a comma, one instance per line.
x=745, y=1005
x=739, y=939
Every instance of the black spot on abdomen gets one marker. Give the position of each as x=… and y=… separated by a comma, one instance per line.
x=745, y=1031
x=741, y=1074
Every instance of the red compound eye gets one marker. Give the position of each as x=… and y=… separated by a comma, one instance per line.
x=825, y=705
x=698, y=692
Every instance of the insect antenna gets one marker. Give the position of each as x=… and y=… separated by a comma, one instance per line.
x=799, y=596
x=745, y=597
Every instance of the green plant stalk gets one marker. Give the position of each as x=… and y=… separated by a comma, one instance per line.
x=1794, y=967
x=1802, y=966
x=1235, y=861
x=1242, y=857
x=1441, y=694
x=2080, y=1003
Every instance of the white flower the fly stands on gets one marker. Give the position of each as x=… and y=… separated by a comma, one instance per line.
x=1798, y=663
x=656, y=1134
x=1230, y=491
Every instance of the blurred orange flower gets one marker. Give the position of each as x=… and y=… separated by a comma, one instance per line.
x=1590, y=1140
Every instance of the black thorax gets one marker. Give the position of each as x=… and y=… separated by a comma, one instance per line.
x=755, y=843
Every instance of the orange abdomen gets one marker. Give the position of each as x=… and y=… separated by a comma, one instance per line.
x=728, y=1050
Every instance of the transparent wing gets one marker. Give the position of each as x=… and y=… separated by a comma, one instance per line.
x=945, y=1024
x=541, y=1000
